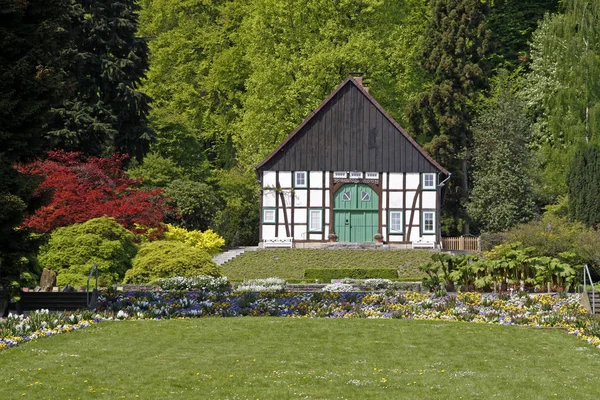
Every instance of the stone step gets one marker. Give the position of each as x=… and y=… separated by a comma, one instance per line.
x=229, y=255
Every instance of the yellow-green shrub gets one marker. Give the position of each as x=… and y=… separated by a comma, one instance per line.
x=163, y=259
x=208, y=240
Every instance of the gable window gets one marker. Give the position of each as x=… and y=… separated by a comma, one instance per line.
x=372, y=175
x=300, y=180
x=346, y=196
x=340, y=174
x=396, y=222
x=365, y=196
x=428, y=222
x=315, y=220
x=269, y=215
x=428, y=181
x=356, y=175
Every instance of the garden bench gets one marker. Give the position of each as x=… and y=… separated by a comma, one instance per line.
x=422, y=244
x=278, y=242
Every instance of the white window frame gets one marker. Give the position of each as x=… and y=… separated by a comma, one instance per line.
x=356, y=175
x=300, y=185
x=311, y=228
x=269, y=221
x=340, y=174
x=425, y=176
x=372, y=175
x=392, y=231
x=424, y=213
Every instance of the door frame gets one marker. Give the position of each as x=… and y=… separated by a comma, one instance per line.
x=334, y=187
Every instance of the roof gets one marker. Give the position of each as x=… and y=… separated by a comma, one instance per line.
x=350, y=81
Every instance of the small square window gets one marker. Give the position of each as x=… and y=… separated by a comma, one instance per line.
x=315, y=220
x=346, y=196
x=429, y=181
x=372, y=175
x=356, y=175
x=428, y=222
x=365, y=196
x=340, y=174
x=396, y=225
x=269, y=216
x=300, y=179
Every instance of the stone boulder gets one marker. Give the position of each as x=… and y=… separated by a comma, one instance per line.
x=48, y=280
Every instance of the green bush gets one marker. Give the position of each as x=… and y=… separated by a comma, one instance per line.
x=165, y=259
x=327, y=274
x=73, y=250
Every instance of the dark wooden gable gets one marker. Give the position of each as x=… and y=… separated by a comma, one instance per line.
x=350, y=131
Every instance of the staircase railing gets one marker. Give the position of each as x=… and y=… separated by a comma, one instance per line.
x=90, y=298
x=586, y=276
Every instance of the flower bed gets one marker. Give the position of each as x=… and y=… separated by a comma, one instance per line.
x=539, y=310
x=17, y=329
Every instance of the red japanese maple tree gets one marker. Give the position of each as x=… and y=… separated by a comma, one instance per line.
x=86, y=188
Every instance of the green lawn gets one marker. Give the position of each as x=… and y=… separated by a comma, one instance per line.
x=270, y=358
x=290, y=263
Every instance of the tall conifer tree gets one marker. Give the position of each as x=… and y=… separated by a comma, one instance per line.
x=454, y=53
x=107, y=111
x=32, y=80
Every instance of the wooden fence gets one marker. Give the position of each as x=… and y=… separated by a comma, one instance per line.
x=466, y=243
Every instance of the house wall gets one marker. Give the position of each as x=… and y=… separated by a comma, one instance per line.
x=291, y=205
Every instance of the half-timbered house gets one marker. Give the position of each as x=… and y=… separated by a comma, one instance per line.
x=349, y=169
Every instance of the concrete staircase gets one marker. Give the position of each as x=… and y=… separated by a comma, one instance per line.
x=229, y=255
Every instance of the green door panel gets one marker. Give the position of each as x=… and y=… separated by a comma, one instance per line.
x=356, y=215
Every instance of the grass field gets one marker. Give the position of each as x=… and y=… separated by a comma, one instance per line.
x=290, y=263
x=275, y=358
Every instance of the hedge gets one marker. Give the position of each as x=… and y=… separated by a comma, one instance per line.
x=327, y=274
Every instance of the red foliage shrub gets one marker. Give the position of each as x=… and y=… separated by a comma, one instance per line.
x=86, y=188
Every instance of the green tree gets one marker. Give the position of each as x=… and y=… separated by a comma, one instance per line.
x=156, y=171
x=454, y=53
x=73, y=250
x=168, y=258
x=34, y=46
x=563, y=91
x=107, y=111
x=502, y=193
x=583, y=181
x=196, y=202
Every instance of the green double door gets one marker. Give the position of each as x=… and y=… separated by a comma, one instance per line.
x=356, y=213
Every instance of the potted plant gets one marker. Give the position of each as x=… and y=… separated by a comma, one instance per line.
x=378, y=237
x=333, y=237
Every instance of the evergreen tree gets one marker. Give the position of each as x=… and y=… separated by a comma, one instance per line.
x=107, y=112
x=32, y=80
x=502, y=194
x=454, y=53
x=583, y=181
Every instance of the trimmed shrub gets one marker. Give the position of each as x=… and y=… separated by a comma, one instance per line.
x=164, y=259
x=327, y=274
x=73, y=250
x=208, y=240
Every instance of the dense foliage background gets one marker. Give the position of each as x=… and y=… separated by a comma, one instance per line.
x=503, y=93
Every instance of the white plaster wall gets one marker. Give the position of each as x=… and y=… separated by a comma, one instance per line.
x=300, y=216
x=316, y=198
x=316, y=179
x=415, y=235
x=394, y=238
x=384, y=217
x=429, y=198
x=269, y=198
x=412, y=180
x=396, y=200
x=326, y=179
x=395, y=181
x=383, y=199
x=287, y=196
x=281, y=220
x=299, y=232
x=285, y=179
x=428, y=238
x=315, y=236
x=269, y=179
x=300, y=197
x=326, y=198
x=416, y=220
x=268, y=231
x=410, y=196
x=383, y=181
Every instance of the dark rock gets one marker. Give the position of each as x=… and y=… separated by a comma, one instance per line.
x=68, y=288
